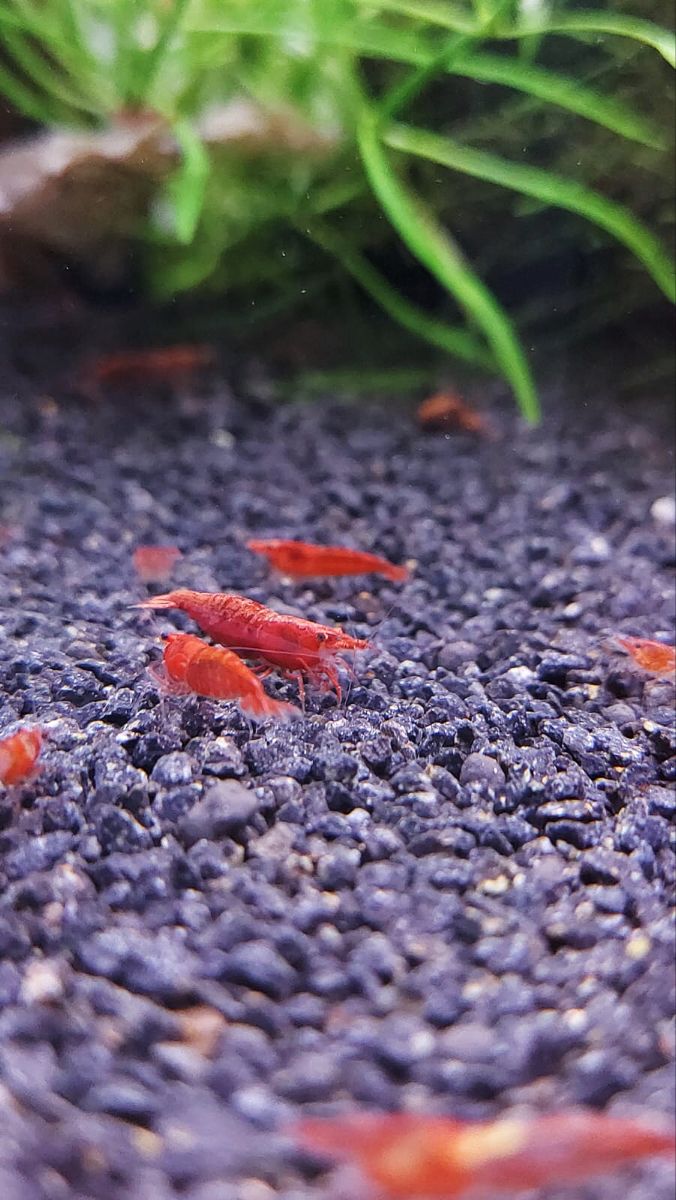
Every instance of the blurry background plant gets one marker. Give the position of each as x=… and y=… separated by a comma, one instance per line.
x=279, y=153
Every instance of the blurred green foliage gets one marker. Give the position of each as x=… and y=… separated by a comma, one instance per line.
x=482, y=142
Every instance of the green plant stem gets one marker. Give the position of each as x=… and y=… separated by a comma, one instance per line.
x=405, y=92
x=443, y=60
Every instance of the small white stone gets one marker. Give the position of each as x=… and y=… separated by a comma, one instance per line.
x=664, y=510
x=256, y=1189
x=42, y=983
x=575, y=1018
x=422, y=1043
x=599, y=545
x=497, y=886
x=520, y=676
x=638, y=946
x=222, y=438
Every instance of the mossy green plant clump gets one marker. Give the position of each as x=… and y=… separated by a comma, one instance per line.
x=315, y=140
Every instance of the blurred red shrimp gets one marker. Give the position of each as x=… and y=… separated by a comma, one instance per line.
x=293, y=644
x=158, y=364
x=447, y=411
x=303, y=559
x=443, y=1159
x=218, y=673
x=656, y=657
x=153, y=564
x=18, y=755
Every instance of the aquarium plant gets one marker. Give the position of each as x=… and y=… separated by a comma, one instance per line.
x=429, y=151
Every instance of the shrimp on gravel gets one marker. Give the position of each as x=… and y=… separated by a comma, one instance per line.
x=18, y=755
x=158, y=363
x=411, y=1156
x=303, y=559
x=193, y=664
x=655, y=657
x=295, y=645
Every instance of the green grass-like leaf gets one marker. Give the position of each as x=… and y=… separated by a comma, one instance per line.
x=433, y=12
x=436, y=250
x=546, y=186
x=569, y=94
x=590, y=23
x=37, y=69
x=25, y=100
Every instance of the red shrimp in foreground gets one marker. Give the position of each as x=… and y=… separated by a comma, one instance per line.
x=218, y=673
x=293, y=644
x=153, y=564
x=442, y=1159
x=303, y=559
x=19, y=754
x=656, y=657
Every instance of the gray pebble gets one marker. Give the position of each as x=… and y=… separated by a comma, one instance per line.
x=258, y=966
x=172, y=769
x=226, y=807
x=479, y=768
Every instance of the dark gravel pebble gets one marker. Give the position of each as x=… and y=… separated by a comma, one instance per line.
x=448, y=893
x=226, y=807
x=260, y=967
x=479, y=768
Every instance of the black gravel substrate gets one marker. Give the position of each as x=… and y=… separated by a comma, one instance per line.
x=450, y=893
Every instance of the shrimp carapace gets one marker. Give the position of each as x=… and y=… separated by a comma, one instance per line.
x=440, y=1158
x=447, y=411
x=656, y=657
x=218, y=673
x=18, y=755
x=293, y=644
x=305, y=560
x=153, y=564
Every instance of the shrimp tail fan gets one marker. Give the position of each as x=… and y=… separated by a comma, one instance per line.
x=167, y=600
x=395, y=573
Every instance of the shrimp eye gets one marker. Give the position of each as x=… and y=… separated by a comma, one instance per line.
x=321, y=637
